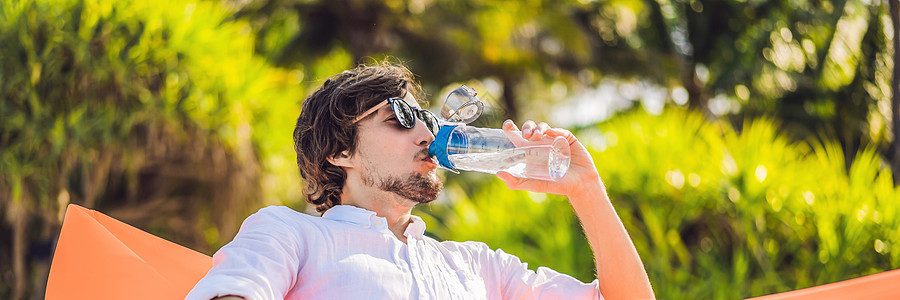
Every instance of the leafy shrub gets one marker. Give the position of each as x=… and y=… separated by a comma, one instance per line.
x=714, y=213
x=155, y=112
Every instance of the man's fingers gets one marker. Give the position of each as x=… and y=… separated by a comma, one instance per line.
x=532, y=131
x=528, y=128
x=509, y=125
x=512, y=182
x=563, y=133
x=510, y=129
x=539, y=130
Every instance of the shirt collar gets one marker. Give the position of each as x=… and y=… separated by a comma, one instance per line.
x=368, y=219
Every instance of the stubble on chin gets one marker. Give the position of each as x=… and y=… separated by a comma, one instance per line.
x=416, y=187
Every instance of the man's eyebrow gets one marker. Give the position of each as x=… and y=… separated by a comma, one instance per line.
x=385, y=110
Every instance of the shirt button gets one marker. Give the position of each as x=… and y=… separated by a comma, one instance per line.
x=379, y=223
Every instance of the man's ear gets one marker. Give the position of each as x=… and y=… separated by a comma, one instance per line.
x=341, y=159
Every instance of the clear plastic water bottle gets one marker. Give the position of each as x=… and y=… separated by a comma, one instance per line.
x=487, y=150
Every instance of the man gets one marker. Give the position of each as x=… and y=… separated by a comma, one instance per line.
x=361, y=142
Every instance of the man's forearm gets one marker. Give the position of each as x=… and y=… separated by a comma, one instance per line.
x=619, y=269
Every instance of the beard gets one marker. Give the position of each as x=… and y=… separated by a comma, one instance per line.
x=416, y=187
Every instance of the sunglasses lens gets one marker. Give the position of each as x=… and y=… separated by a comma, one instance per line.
x=407, y=115
x=430, y=120
x=404, y=113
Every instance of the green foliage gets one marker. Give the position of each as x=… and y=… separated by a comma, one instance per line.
x=157, y=111
x=714, y=213
x=822, y=67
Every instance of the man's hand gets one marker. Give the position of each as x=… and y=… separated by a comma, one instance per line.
x=581, y=166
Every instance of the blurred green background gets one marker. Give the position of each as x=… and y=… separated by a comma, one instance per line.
x=748, y=145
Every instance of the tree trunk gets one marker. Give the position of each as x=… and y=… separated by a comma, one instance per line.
x=697, y=99
x=509, y=97
x=895, y=92
x=17, y=213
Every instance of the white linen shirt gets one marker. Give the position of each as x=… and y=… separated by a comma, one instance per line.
x=349, y=253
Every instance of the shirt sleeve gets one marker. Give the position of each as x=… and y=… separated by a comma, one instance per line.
x=261, y=262
x=515, y=281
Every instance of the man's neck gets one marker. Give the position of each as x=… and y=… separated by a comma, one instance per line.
x=395, y=209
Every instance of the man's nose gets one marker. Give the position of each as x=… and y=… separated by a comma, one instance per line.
x=424, y=137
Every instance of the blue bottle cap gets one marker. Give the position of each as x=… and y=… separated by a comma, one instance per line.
x=438, y=147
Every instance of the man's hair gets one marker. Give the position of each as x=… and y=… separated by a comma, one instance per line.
x=325, y=127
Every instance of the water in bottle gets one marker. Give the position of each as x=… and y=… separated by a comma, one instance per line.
x=493, y=150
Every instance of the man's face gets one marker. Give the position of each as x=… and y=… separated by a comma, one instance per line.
x=395, y=159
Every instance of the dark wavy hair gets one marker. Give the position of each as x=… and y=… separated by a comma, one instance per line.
x=325, y=126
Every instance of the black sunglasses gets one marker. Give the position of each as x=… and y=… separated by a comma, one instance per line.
x=406, y=114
